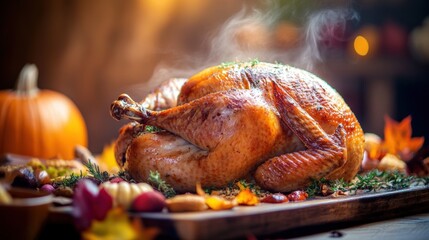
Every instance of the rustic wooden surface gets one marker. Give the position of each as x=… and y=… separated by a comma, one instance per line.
x=402, y=214
x=414, y=227
x=291, y=219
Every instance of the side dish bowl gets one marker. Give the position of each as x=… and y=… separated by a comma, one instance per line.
x=25, y=215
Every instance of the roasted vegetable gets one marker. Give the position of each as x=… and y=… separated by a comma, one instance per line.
x=275, y=198
x=152, y=201
x=186, y=203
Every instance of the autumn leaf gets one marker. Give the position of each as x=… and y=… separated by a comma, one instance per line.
x=398, y=140
x=219, y=203
x=118, y=226
x=115, y=226
x=107, y=160
x=246, y=197
x=214, y=202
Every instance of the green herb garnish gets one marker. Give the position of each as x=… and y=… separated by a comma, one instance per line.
x=94, y=170
x=252, y=186
x=254, y=62
x=71, y=180
x=233, y=188
x=251, y=63
x=372, y=181
x=151, y=129
x=125, y=175
x=160, y=184
x=227, y=64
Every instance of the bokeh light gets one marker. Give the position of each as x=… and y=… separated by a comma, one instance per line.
x=361, y=45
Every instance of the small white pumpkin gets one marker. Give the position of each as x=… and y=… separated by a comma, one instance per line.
x=124, y=193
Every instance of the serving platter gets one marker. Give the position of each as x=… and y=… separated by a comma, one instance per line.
x=266, y=219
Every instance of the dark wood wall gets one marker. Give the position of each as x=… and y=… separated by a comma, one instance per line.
x=94, y=50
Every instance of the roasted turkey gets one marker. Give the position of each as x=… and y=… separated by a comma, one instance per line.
x=281, y=125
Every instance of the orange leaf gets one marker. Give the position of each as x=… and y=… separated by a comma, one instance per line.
x=214, y=202
x=246, y=197
x=218, y=203
x=398, y=140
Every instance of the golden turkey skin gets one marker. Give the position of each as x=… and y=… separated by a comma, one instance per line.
x=276, y=123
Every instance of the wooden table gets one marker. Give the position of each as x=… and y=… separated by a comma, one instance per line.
x=412, y=227
x=402, y=214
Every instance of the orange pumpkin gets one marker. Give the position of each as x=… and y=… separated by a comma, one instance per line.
x=39, y=123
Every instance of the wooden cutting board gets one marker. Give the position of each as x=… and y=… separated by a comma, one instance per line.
x=272, y=218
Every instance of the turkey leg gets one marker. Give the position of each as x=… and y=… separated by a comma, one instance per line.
x=234, y=128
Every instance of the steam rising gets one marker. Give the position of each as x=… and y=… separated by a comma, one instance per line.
x=249, y=35
x=322, y=27
x=244, y=36
x=329, y=25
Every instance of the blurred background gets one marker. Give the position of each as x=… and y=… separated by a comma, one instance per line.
x=375, y=53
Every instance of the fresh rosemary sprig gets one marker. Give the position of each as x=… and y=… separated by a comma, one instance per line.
x=372, y=181
x=234, y=187
x=125, y=175
x=94, y=170
x=161, y=185
x=71, y=180
x=385, y=180
x=324, y=187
